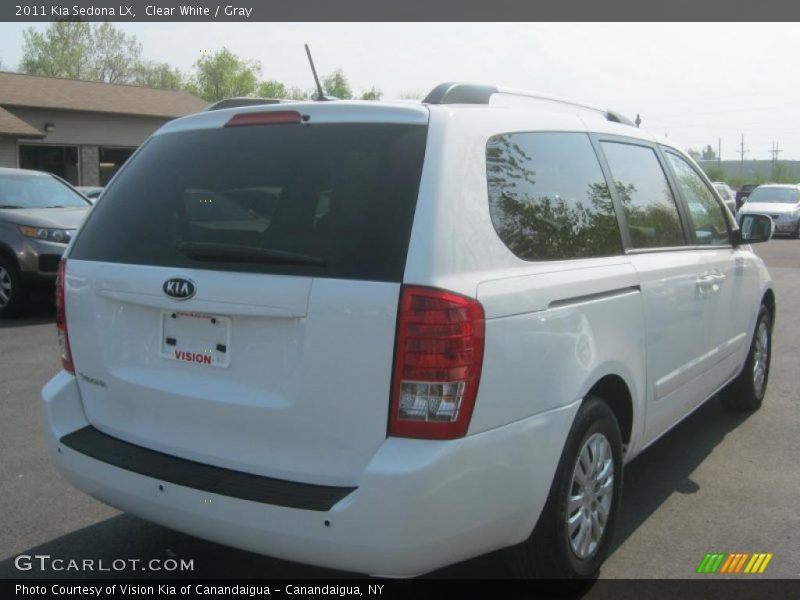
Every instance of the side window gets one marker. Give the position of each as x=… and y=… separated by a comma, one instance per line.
x=707, y=215
x=548, y=198
x=643, y=190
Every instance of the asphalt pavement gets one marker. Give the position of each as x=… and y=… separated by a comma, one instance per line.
x=718, y=482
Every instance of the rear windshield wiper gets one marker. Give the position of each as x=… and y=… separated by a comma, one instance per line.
x=210, y=251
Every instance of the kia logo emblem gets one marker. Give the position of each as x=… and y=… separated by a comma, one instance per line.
x=179, y=288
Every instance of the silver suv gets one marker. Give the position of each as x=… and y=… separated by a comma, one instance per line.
x=39, y=213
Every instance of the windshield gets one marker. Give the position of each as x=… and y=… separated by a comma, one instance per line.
x=328, y=200
x=775, y=194
x=37, y=191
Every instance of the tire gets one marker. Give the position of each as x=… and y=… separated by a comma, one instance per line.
x=796, y=234
x=550, y=551
x=12, y=293
x=746, y=392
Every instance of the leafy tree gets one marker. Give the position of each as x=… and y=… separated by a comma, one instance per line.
x=272, y=89
x=693, y=153
x=157, y=75
x=411, y=95
x=64, y=49
x=708, y=153
x=336, y=85
x=114, y=55
x=372, y=93
x=296, y=93
x=224, y=75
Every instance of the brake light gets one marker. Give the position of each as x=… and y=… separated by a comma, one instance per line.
x=61, y=318
x=438, y=359
x=272, y=117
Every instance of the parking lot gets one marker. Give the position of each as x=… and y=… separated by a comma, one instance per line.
x=719, y=481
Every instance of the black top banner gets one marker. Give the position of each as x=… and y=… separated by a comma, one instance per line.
x=399, y=10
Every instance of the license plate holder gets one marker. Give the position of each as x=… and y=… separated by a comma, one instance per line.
x=196, y=338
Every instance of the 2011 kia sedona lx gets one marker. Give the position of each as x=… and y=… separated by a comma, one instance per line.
x=386, y=337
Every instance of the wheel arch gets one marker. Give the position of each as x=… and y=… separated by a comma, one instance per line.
x=615, y=392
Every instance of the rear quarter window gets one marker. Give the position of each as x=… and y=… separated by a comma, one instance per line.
x=342, y=194
x=548, y=198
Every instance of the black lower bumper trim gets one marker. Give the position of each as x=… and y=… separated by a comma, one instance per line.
x=188, y=473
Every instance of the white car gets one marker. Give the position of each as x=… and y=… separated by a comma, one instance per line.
x=387, y=337
x=780, y=202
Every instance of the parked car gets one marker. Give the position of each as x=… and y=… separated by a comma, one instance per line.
x=92, y=192
x=727, y=194
x=780, y=202
x=434, y=331
x=39, y=213
x=743, y=193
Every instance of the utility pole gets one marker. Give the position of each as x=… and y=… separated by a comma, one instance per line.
x=719, y=152
x=775, y=151
x=741, y=153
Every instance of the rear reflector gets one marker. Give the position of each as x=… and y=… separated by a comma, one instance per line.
x=438, y=359
x=61, y=318
x=273, y=117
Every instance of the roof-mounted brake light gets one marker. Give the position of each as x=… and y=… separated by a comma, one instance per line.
x=272, y=117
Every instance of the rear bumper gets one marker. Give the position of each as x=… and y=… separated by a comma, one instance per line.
x=419, y=505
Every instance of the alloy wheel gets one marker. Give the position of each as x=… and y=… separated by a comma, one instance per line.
x=590, y=496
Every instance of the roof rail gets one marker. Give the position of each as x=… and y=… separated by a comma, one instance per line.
x=243, y=101
x=468, y=93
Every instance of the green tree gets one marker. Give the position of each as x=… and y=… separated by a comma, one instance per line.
x=114, y=55
x=224, y=75
x=272, y=89
x=372, y=93
x=157, y=75
x=64, y=49
x=336, y=85
x=296, y=93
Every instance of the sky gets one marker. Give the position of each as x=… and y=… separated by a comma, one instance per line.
x=698, y=83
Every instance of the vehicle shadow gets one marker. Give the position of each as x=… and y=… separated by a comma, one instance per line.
x=38, y=312
x=667, y=466
x=127, y=537
x=662, y=470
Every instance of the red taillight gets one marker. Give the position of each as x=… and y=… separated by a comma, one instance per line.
x=61, y=318
x=273, y=117
x=437, y=365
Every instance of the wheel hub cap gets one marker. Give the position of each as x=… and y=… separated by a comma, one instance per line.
x=760, y=358
x=590, y=496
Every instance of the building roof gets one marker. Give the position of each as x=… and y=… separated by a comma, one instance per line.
x=11, y=125
x=17, y=89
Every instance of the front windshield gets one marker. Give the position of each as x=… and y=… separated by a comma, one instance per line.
x=37, y=191
x=774, y=194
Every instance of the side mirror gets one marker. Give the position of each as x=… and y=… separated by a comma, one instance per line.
x=754, y=229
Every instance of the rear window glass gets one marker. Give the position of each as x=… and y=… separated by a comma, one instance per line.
x=327, y=200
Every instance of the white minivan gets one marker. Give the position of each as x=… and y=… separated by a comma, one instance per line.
x=386, y=337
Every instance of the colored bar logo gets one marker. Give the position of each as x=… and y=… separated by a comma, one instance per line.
x=735, y=562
